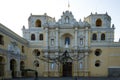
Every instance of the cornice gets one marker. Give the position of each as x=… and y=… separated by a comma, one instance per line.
x=105, y=46
x=9, y=53
x=12, y=34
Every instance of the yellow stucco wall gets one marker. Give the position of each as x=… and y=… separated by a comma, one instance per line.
x=109, y=58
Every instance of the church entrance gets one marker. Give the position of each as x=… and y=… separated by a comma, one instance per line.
x=67, y=69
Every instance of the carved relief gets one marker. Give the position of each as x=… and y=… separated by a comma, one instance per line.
x=13, y=47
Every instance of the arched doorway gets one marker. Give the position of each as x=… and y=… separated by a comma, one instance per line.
x=2, y=66
x=22, y=66
x=13, y=66
x=67, y=69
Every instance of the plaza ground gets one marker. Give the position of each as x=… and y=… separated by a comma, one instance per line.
x=68, y=78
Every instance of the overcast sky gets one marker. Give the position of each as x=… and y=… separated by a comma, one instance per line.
x=14, y=13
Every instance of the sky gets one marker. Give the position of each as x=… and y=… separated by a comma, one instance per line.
x=14, y=13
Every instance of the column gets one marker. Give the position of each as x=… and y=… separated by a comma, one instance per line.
x=56, y=66
x=46, y=65
x=75, y=62
x=86, y=38
x=37, y=36
x=112, y=36
x=46, y=30
x=86, y=63
x=75, y=53
x=76, y=34
x=29, y=36
x=56, y=38
x=107, y=36
x=75, y=68
x=99, y=37
x=18, y=72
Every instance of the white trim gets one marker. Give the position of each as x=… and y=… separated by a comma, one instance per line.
x=114, y=67
x=115, y=54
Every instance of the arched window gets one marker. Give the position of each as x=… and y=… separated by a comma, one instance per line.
x=102, y=36
x=98, y=52
x=38, y=23
x=94, y=36
x=41, y=37
x=36, y=63
x=67, y=40
x=98, y=22
x=36, y=52
x=97, y=63
x=66, y=19
x=33, y=37
x=23, y=50
x=1, y=40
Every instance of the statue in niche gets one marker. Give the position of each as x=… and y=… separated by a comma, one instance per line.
x=67, y=42
x=81, y=41
x=52, y=42
x=81, y=65
x=66, y=45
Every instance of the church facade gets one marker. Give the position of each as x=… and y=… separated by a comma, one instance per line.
x=89, y=44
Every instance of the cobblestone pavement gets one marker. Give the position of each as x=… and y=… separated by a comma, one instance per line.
x=68, y=78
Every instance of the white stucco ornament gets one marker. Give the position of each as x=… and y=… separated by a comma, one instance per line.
x=13, y=48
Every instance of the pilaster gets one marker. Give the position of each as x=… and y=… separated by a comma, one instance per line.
x=99, y=37
x=7, y=68
x=76, y=34
x=56, y=66
x=86, y=63
x=37, y=36
x=18, y=72
x=46, y=65
x=46, y=30
x=86, y=38
x=56, y=38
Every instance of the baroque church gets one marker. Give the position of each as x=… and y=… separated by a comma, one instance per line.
x=61, y=48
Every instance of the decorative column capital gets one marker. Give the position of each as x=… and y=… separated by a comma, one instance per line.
x=57, y=28
x=86, y=28
x=76, y=29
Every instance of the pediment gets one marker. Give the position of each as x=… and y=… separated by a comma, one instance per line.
x=67, y=18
